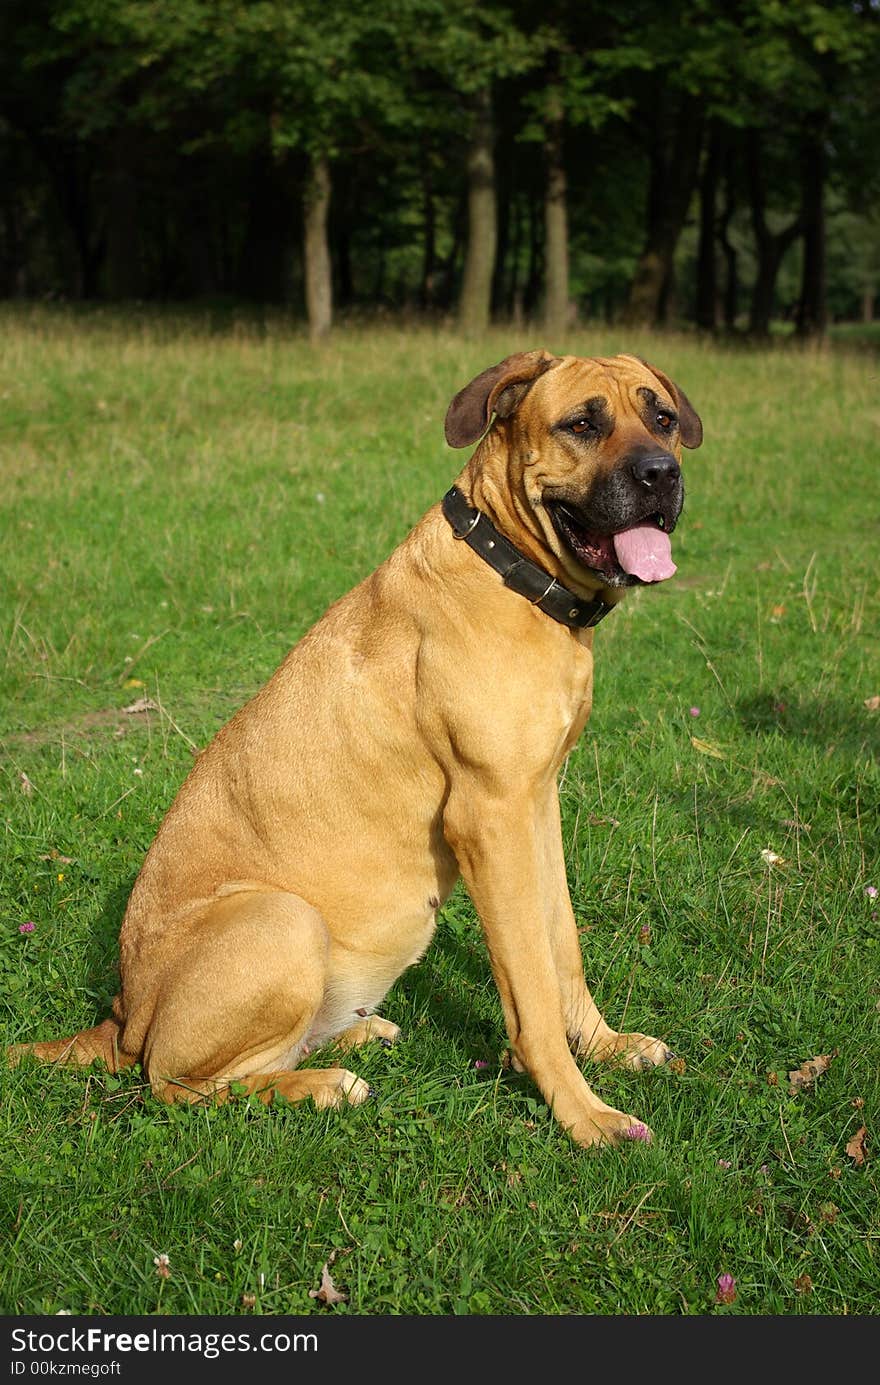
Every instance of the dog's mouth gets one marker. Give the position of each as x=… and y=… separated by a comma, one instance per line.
x=638, y=553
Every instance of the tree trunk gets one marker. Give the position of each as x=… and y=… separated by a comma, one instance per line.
x=476, y=288
x=124, y=280
x=503, y=203
x=770, y=247
x=764, y=288
x=513, y=294
x=378, y=294
x=707, y=271
x=428, y=288
x=674, y=156
x=555, y=220
x=730, y=301
x=198, y=261
x=71, y=187
x=90, y=249
x=447, y=274
x=316, y=249
x=534, y=272
x=812, y=310
x=869, y=295
x=344, y=266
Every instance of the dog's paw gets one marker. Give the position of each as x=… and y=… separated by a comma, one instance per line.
x=641, y=1051
x=638, y=1051
x=384, y=1030
x=373, y=1027
x=342, y=1087
x=609, y=1127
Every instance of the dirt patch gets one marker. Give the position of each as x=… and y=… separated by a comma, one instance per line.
x=112, y=720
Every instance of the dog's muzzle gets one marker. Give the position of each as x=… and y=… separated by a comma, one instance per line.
x=620, y=530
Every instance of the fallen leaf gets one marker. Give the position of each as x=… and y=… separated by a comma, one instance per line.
x=777, y=612
x=250, y=1300
x=25, y=784
x=55, y=855
x=802, y=1078
x=707, y=748
x=856, y=1146
x=677, y=1065
x=328, y=1292
x=873, y=703
x=141, y=704
x=803, y=1284
x=133, y=683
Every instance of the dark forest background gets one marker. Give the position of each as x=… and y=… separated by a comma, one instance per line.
x=714, y=163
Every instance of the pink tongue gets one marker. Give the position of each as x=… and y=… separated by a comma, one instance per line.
x=645, y=552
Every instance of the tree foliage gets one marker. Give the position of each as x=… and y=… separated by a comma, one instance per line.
x=174, y=151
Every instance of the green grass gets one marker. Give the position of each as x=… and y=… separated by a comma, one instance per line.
x=178, y=505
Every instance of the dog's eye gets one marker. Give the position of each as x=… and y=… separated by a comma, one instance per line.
x=581, y=425
x=665, y=421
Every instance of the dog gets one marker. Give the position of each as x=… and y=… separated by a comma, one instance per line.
x=412, y=736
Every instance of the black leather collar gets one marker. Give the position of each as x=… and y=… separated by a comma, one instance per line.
x=518, y=572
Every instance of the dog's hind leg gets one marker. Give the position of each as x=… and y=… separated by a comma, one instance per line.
x=326, y=1086
x=99, y=1044
x=235, y=1008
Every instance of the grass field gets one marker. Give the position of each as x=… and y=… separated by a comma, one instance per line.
x=179, y=504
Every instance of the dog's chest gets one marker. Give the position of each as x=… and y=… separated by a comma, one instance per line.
x=572, y=703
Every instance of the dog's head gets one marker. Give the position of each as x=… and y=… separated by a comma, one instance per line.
x=594, y=448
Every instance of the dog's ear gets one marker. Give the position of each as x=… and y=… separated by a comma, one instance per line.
x=689, y=421
x=497, y=390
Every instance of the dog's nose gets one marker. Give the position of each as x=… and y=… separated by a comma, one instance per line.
x=658, y=473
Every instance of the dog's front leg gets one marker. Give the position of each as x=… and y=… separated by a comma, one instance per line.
x=587, y=1031
x=499, y=845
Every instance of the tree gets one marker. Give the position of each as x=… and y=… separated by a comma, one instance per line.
x=673, y=142
x=679, y=58
x=801, y=65
x=770, y=245
x=479, y=265
x=556, y=259
x=415, y=153
x=706, y=311
x=326, y=75
x=571, y=100
x=467, y=50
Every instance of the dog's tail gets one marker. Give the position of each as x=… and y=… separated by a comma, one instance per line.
x=100, y=1043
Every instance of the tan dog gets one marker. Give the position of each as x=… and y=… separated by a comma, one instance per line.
x=413, y=734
